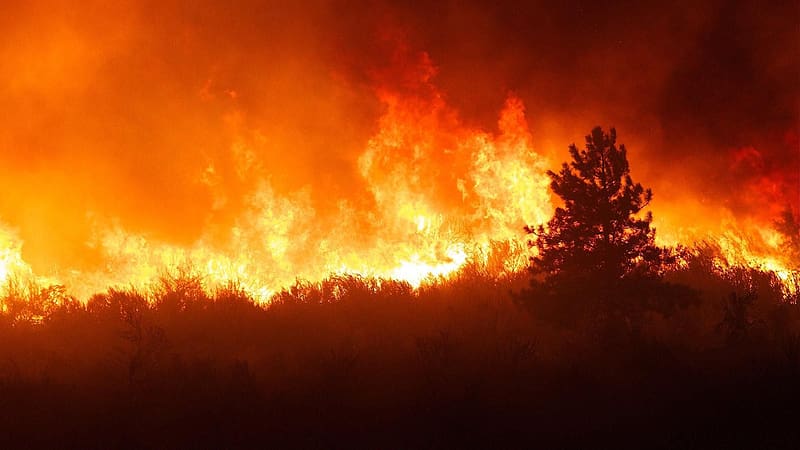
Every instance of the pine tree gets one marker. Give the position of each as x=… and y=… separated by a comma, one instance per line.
x=597, y=257
x=597, y=232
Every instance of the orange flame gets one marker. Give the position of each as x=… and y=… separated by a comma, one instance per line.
x=439, y=193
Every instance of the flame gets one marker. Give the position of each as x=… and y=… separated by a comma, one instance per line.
x=749, y=244
x=10, y=257
x=440, y=192
x=436, y=194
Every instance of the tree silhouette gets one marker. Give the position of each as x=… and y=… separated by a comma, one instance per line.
x=596, y=246
x=789, y=227
x=597, y=231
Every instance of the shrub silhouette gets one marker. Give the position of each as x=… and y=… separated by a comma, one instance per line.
x=374, y=363
x=736, y=321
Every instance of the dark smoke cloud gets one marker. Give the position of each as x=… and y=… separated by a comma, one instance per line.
x=687, y=84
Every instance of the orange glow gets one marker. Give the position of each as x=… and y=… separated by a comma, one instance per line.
x=442, y=191
x=416, y=230
x=136, y=150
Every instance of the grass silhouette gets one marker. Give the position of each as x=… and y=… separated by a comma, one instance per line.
x=362, y=362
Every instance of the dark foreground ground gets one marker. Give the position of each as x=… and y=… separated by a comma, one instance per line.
x=355, y=363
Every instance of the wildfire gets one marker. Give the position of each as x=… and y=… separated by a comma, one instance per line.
x=749, y=244
x=440, y=193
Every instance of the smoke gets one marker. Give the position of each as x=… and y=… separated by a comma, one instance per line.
x=166, y=116
x=687, y=85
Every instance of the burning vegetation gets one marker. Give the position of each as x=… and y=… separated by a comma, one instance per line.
x=434, y=194
x=250, y=219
